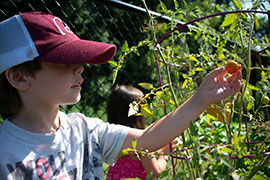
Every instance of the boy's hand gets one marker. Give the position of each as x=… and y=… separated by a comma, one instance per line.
x=216, y=87
x=213, y=88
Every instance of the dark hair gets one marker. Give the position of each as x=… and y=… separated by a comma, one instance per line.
x=118, y=106
x=10, y=101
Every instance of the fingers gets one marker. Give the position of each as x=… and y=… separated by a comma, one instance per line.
x=211, y=78
x=235, y=81
x=216, y=72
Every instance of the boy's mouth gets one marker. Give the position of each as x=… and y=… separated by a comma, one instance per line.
x=78, y=85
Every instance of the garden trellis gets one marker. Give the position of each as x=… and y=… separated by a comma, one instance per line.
x=161, y=59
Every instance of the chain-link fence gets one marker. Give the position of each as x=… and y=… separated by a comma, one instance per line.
x=100, y=20
x=92, y=20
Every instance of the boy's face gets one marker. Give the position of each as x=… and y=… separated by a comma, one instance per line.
x=57, y=84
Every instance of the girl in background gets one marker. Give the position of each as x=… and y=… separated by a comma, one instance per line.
x=131, y=166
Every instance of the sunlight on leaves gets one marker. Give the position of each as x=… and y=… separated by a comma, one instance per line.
x=193, y=58
x=229, y=19
x=146, y=86
x=237, y=4
x=133, y=109
x=146, y=111
x=164, y=97
x=134, y=143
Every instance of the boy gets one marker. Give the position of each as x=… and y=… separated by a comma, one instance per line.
x=40, y=67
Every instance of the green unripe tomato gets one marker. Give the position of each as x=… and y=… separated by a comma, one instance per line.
x=265, y=99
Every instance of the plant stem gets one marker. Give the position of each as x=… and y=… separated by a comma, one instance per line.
x=248, y=69
x=260, y=165
x=160, y=79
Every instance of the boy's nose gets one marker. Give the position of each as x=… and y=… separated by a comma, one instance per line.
x=79, y=69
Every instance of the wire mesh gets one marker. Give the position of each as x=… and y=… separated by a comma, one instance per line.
x=93, y=21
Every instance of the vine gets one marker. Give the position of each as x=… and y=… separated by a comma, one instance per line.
x=198, y=152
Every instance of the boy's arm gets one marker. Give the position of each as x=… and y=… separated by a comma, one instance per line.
x=213, y=88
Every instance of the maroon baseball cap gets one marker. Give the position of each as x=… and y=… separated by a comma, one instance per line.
x=45, y=37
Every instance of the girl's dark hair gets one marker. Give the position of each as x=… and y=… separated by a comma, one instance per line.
x=118, y=106
x=10, y=101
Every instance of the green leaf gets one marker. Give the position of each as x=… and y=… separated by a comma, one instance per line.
x=268, y=52
x=180, y=175
x=135, y=50
x=226, y=150
x=164, y=97
x=232, y=28
x=113, y=63
x=199, y=69
x=115, y=72
x=237, y=4
x=219, y=50
x=250, y=103
x=259, y=177
x=124, y=152
x=146, y=111
x=149, y=175
x=228, y=20
x=195, y=158
x=266, y=39
x=134, y=143
x=221, y=56
x=189, y=143
x=146, y=86
x=227, y=163
x=125, y=47
x=257, y=24
x=186, y=49
x=253, y=87
x=234, y=35
x=163, y=7
x=176, y=5
x=193, y=58
x=184, y=84
x=192, y=128
x=219, y=9
x=243, y=15
x=164, y=174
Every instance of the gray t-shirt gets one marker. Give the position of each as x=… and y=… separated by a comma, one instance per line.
x=75, y=151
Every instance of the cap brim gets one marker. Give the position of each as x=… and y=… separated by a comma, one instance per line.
x=80, y=52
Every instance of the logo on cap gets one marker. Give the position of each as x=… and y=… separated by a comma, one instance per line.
x=57, y=20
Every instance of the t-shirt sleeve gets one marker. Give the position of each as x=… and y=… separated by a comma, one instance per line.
x=112, y=139
x=104, y=138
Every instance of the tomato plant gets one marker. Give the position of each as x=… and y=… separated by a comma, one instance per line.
x=230, y=140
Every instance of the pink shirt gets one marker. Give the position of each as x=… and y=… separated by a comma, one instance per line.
x=125, y=167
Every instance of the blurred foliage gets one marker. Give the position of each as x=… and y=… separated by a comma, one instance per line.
x=95, y=21
x=215, y=146
x=98, y=22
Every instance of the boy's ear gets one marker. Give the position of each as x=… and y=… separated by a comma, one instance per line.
x=17, y=79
